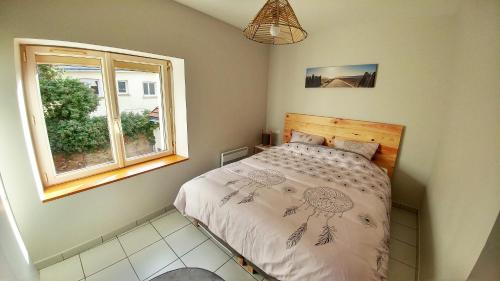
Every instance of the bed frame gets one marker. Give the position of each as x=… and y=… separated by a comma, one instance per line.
x=387, y=135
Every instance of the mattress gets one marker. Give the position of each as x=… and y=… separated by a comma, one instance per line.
x=298, y=212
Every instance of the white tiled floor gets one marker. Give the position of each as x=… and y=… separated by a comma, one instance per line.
x=70, y=269
x=185, y=239
x=152, y=259
x=138, y=238
x=101, y=257
x=403, y=260
x=171, y=241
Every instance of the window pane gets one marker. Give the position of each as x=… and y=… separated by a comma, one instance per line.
x=142, y=119
x=94, y=84
x=152, y=89
x=122, y=86
x=75, y=116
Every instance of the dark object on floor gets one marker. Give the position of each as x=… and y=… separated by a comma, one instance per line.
x=188, y=274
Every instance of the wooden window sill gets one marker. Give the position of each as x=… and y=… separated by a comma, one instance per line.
x=72, y=187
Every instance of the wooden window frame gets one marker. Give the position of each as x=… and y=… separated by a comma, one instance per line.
x=107, y=62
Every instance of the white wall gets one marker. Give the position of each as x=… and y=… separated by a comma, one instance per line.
x=13, y=265
x=214, y=54
x=414, y=55
x=462, y=200
x=486, y=267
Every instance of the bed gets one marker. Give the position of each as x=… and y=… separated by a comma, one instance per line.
x=304, y=212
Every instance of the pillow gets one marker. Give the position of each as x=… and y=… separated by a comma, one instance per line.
x=306, y=138
x=366, y=149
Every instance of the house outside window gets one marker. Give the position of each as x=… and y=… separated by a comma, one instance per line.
x=149, y=88
x=94, y=84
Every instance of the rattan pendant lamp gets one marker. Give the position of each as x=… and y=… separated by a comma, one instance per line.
x=275, y=24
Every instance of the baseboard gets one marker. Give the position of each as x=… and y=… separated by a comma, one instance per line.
x=404, y=207
x=66, y=254
x=418, y=247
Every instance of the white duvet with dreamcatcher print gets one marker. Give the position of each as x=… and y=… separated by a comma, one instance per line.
x=298, y=212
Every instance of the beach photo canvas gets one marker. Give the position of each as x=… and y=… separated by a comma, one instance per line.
x=348, y=76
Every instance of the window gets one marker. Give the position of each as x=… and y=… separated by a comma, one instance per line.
x=94, y=84
x=149, y=88
x=122, y=87
x=75, y=133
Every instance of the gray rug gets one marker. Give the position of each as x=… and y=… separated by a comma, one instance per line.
x=188, y=274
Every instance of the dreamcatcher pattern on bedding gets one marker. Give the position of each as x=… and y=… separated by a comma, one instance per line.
x=370, y=183
x=256, y=179
x=324, y=201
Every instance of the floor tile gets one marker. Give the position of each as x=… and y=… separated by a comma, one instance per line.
x=404, y=233
x=208, y=256
x=102, y=256
x=120, y=271
x=173, y=266
x=151, y=259
x=400, y=272
x=139, y=238
x=221, y=246
x=209, y=235
x=67, y=270
x=185, y=239
x=170, y=223
x=404, y=217
x=403, y=252
x=231, y=271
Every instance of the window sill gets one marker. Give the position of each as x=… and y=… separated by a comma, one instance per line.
x=76, y=186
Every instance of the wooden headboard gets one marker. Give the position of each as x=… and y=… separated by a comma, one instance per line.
x=387, y=135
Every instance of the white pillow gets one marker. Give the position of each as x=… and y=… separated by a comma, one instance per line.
x=366, y=149
x=306, y=138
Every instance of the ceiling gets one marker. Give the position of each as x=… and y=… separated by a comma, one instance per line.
x=318, y=14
